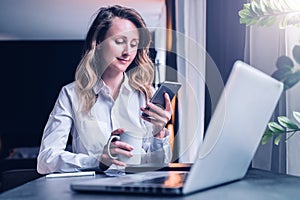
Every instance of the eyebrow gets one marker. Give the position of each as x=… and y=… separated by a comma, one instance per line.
x=124, y=36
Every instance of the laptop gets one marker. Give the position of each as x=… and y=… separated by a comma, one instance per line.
x=232, y=137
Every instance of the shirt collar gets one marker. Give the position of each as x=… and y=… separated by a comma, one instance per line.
x=100, y=85
x=126, y=84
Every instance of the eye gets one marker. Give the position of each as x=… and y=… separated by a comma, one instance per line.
x=120, y=41
x=134, y=43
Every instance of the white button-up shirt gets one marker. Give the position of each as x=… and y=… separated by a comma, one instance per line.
x=90, y=132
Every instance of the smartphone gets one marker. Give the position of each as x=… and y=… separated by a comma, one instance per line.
x=158, y=98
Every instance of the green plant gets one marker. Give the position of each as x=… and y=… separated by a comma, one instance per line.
x=286, y=70
x=284, y=125
x=267, y=12
x=286, y=73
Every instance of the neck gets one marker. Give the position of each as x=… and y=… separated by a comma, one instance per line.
x=113, y=81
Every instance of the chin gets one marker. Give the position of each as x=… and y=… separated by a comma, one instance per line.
x=122, y=67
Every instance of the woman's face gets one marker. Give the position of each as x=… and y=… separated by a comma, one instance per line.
x=120, y=45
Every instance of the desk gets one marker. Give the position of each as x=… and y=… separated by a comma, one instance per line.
x=256, y=185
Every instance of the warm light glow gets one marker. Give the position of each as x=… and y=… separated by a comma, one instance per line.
x=170, y=127
x=174, y=180
x=169, y=28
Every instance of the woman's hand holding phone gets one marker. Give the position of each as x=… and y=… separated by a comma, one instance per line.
x=157, y=116
x=158, y=110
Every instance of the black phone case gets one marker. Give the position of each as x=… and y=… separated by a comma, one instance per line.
x=158, y=98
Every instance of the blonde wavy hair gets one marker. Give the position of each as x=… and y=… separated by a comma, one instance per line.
x=140, y=71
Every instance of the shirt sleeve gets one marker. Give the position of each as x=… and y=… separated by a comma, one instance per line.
x=158, y=150
x=52, y=155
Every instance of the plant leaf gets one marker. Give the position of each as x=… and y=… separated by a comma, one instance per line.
x=267, y=135
x=273, y=6
x=292, y=19
x=266, y=21
x=277, y=140
x=283, y=23
x=282, y=74
x=266, y=12
x=263, y=21
x=286, y=122
x=246, y=6
x=284, y=62
x=275, y=128
x=296, y=116
x=291, y=80
x=276, y=5
x=296, y=53
x=271, y=21
x=255, y=7
x=262, y=6
x=244, y=13
x=268, y=6
x=284, y=4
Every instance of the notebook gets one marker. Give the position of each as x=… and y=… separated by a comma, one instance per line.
x=232, y=137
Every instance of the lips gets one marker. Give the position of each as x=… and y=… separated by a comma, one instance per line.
x=123, y=60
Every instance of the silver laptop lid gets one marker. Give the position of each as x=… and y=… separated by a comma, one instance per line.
x=236, y=127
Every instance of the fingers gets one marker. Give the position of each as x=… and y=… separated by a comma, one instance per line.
x=119, y=147
x=154, y=111
x=168, y=103
x=116, y=148
x=159, y=119
x=158, y=110
x=118, y=131
x=156, y=114
x=106, y=161
x=156, y=118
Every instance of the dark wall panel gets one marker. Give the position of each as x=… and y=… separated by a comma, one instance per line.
x=225, y=40
x=32, y=74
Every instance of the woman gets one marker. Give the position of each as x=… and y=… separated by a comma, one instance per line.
x=112, y=87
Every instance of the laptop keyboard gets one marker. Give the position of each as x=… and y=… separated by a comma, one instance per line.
x=159, y=180
x=171, y=180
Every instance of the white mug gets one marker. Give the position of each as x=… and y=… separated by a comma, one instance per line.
x=132, y=138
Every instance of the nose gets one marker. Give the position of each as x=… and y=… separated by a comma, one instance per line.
x=127, y=49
